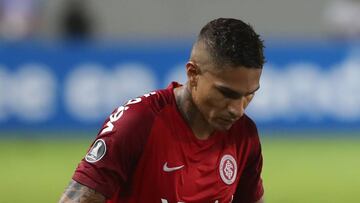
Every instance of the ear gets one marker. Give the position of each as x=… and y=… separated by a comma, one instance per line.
x=192, y=72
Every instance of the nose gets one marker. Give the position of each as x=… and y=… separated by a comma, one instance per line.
x=236, y=108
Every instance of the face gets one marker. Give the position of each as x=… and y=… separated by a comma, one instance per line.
x=222, y=94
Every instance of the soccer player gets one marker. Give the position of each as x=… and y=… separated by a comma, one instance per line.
x=186, y=143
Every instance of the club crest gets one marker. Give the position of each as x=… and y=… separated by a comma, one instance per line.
x=96, y=152
x=228, y=169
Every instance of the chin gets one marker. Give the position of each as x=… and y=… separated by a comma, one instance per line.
x=225, y=128
x=222, y=126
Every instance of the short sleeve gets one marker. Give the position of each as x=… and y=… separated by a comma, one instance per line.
x=111, y=160
x=250, y=187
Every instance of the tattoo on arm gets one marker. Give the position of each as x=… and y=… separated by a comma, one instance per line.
x=77, y=193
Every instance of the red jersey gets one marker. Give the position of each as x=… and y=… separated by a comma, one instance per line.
x=146, y=152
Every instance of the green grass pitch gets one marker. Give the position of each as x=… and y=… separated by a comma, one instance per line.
x=296, y=170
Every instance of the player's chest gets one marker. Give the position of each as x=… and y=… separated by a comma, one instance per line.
x=185, y=171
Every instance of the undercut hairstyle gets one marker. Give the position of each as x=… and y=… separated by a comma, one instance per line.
x=233, y=42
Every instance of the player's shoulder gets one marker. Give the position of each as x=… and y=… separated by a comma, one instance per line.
x=152, y=103
x=140, y=111
x=245, y=131
x=249, y=123
x=246, y=126
x=160, y=99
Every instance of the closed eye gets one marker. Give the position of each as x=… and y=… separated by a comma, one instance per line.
x=231, y=94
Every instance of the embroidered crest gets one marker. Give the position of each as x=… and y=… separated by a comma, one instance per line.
x=228, y=169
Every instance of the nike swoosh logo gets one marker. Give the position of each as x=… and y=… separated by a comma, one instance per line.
x=170, y=169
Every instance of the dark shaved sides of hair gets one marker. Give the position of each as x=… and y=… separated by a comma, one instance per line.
x=233, y=42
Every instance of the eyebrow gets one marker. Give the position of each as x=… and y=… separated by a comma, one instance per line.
x=228, y=92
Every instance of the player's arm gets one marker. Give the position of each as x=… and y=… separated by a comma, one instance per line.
x=79, y=193
x=112, y=159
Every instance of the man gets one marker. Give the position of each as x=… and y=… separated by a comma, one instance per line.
x=186, y=143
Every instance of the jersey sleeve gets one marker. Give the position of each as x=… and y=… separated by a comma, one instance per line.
x=111, y=160
x=250, y=187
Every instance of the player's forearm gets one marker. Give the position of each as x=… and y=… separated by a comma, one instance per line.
x=78, y=193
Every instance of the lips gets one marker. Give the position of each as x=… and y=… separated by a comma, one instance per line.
x=227, y=121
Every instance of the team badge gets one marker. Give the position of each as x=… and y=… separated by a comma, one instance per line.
x=228, y=169
x=96, y=152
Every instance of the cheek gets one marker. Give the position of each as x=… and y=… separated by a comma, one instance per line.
x=248, y=100
x=212, y=104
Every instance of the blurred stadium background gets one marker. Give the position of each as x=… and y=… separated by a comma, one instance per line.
x=65, y=64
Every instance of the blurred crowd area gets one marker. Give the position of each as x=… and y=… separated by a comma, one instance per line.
x=37, y=19
x=109, y=19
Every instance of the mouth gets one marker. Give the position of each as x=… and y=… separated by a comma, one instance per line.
x=226, y=121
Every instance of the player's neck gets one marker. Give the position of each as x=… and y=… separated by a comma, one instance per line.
x=200, y=127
